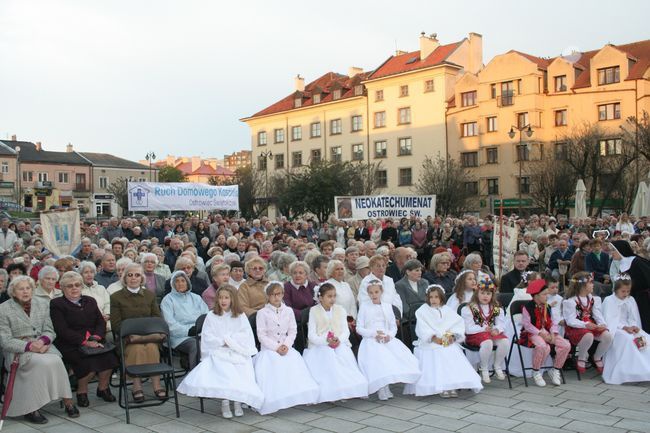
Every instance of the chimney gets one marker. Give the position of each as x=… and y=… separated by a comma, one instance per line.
x=400, y=52
x=69, y=148
x=299, y=83
x=475, y=53
x=428, y=44
x=38, y=146
x=14, y=138
x=353, y=70
x=196, y=163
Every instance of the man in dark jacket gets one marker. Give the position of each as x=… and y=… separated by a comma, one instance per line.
x=512, y=279
x=108, y=274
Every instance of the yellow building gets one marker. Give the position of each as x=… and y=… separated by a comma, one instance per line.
x=394, y=115
x=602, y=87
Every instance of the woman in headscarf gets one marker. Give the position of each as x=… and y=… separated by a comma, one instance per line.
x=639, y=270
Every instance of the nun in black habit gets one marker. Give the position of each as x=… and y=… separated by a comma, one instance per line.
x=639, y=270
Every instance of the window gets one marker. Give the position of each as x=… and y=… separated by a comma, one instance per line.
x=28, y=176
x=380, y=149
x=405, y=147
x=358, y=90
x=317, y=98
x=493, y=186
x=611, y=146
x=609, y=75
x=262, y=163
x=492, y=124
x=336, y=127
x=296, y=159
x=103, y=182
x=261, y=138
x=428, y=86
x=5, y=167
x=469, y=159
x=379, y=95
x=296, y=133
x=403, y=91
x=279, y=160
x=560, y=83
x=380, y=119
x=609, y=111
x=381, y=178
x=523, y=152
x=405, y=177
x=314, y=130
x=560, y=151
x=522, y=120
x=468, y=98
x=278, y=135
x=471, y=188
x=297, y=103
x=524, y=185
x=336, y=154
x=493, y=91
x=336, y=94
x=404, y=115
x=357, y=152
x=315, y=155
x=507, y=93
x=142, y=179
x=560, y=118
x=63, y=177
x=470, y=129
x=357, y=123
x=492, y=155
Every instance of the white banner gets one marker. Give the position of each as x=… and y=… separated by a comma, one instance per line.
x=508, y=250
x=384, y=206
x=61, y=231
x=144, y=196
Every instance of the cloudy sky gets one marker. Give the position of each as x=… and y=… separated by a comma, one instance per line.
x=174, y=77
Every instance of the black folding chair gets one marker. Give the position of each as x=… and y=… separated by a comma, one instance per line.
x=409, y=321
x=304, y=325
x=145, y=326
x=471, y=348
x=198, y=326
x=252, y=319
x=301, y=335
x=515, y=309
x=398, y=317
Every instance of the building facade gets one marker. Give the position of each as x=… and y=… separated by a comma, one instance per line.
x=8, y=169
x=197, y=169
x=237, y=160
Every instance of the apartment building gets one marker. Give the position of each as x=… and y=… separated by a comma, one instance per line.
x=237, y=160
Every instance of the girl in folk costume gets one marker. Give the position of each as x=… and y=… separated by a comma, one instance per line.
x=383, y=359
x=440, y=330
x=628, y=360
x=464, y=288
x=584, y=321
x=226, y=369
x=554, y=300
x=280, y=370
x=329, y=357
x=484, y=327
x=540, y=331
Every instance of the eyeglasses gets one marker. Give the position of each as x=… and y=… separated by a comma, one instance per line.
x=257, y=269
x=133, y=275
x=75, y=285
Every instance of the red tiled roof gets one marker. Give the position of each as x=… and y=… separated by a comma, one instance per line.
x=204, y=169
x=541, y=62
x=640, y=51
x=405, y=62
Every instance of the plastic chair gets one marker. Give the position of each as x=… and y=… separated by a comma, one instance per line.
x=145, y=326
x=515, y=309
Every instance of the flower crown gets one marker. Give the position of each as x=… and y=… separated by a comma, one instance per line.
x=433, y=286
x=461, y=273
x=526, y=275
x=272, y=283
x=583, y=280
x=622, y=277
x=486, y=284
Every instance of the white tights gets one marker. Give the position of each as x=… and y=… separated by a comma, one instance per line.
x=485, y=352
x=604, y=339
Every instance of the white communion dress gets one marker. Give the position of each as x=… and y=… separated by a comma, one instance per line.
x=383, y=363
x=444, y=368
x=226, y=368
x=624, y=362
x=335, y=370
x=284, y=379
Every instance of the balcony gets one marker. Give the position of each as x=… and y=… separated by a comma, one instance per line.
x=505, y=100
x=81, y=187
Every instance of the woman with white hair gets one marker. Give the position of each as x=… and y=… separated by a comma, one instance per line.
x=474, y=262
x=282, y=264
x=96, y=291
x=154, y=282
x=120, y=266
x=344, y=295
x=299, y=291
x=48, y=276
x=161, y=267
x=4, y=280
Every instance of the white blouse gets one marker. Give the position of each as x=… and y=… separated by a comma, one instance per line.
x=376, y=317
x=471, y=327
x=345, y=297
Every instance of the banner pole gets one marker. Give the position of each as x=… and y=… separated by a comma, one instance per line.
x=500, y=237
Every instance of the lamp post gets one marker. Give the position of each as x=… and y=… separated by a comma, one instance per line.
x=150, y=157
x=266, y=155
x=18, y=199
x=529, y=132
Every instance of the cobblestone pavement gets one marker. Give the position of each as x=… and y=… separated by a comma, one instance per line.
x=579, y=406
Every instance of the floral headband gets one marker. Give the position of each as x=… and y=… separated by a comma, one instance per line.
x=487, y=284
x=526, y=275
x=461, y=273
x=622, y=277
x=583, y=280
x=434, y=286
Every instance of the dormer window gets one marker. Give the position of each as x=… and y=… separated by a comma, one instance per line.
x=560, y=83
x=609, y=75
x=358, y=90
x=297, y=103
x=317, y=98
x=336, y=94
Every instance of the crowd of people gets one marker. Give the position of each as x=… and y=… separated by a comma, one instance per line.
x=298, y=312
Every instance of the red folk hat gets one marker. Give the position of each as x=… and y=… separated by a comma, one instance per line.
x=536, y=286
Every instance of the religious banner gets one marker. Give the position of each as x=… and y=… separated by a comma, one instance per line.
x=61, y=231
x=145, y=196
x=504, y=247
x=384, y=206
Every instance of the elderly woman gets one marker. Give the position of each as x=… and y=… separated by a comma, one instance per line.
x=299, y=291
x=440, y=272
x=132, y=301
x=282, y=264
x=78, y=322
x=181, y=308
x=26, y=331
x=412, y=287
x=344, y=294
x=220, y=276
x=474, y=262
x=120, y=266
x=251, y=294
x=154, y=282
x=4, y=279
x=236, y=274
x=94, y=290
x=200, y=280
x=161, y=267
x=48, y=276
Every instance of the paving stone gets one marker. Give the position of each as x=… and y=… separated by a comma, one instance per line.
x=335, y=425
x=540, y=408
x=492, y=421
x=536, y=428
x=282, y=426
x=637, y=426
x=392, y=424
x=591, y=417
x=619, y=394
x=588, y=407
x=627, y=404
x=174, y=427
x=123, y=428
x=548, y=400
x=297, y=415
x=586, y=427
x=428, y=429
x=447, y=412
x=396, y=412
x=631, y=414
x=636, y=389
x=10, y=426
x=346, y=414
x=541, y=418
x=407, y=403
x=358, y=404
x=591, y=398
x=494, y=400
x=94, y=419
x=372, y=430
x=66, y=428
x=220, y=425
x=475, y=428
x=441, y=422
x=490, y=409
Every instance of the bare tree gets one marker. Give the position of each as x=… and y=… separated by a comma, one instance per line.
x=553, y=182
x=445, y=178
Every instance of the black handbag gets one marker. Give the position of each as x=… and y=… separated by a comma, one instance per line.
x=92, y=351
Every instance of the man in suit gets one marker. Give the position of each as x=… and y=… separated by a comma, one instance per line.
x=361, y=232
x=512, y=279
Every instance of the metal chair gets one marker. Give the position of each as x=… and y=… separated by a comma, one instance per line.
x=198, y=326
x=398, y=317
x=411, y=320
x=515, y=309
x=145, y=326
x=252, y=319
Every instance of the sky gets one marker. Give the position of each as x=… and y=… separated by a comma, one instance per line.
x=174, y=77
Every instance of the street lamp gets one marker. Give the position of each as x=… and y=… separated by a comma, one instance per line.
x=150, y=157
x=18, y=199
x=529, y=132
x=266, y=155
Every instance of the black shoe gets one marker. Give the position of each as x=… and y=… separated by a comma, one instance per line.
x=106, y=395
x=72, y=411
x=82, y=400
x=35, y=417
